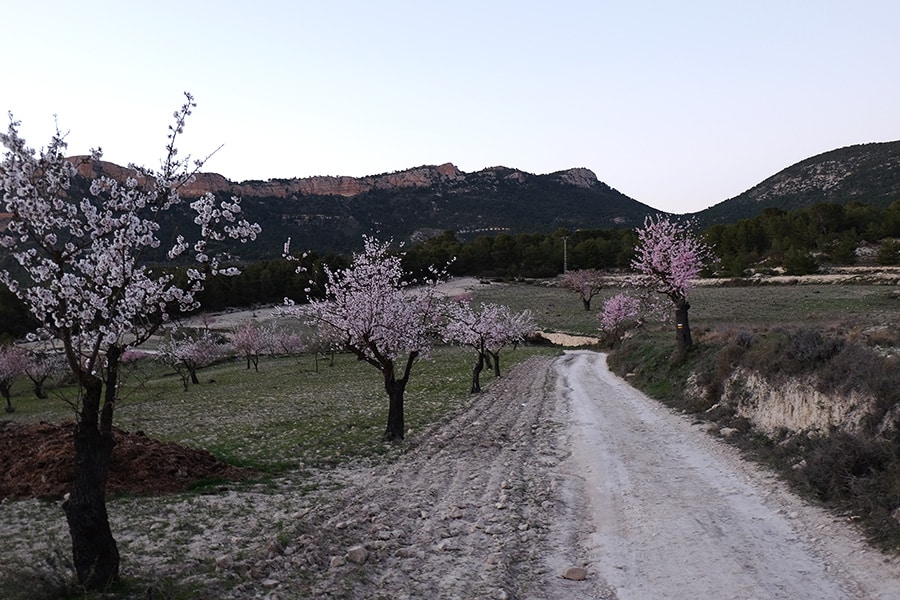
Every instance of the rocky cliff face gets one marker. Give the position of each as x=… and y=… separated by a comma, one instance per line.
x=425, y=176
x=344, y=186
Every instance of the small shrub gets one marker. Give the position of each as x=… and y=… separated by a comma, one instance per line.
x=841, y=460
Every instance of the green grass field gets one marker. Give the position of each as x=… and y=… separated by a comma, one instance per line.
x=288, y=414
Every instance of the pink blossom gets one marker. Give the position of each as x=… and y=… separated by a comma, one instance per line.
x=586, y=282
x=379, y=316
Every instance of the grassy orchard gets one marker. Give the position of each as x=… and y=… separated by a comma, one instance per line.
x=287, y=415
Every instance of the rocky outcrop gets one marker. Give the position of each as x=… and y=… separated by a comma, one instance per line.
x=345, y=186
x=419, y=177
x=794, y=404
x=578, y=177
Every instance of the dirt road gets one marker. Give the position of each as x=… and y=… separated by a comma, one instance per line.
x=675, y=514
x=561, y=464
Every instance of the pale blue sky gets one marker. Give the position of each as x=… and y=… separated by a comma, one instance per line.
x=679, y=105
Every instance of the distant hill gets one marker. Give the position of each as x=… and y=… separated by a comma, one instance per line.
x=868, y=173
x=330, y=214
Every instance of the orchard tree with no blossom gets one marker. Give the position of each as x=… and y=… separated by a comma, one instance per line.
x=668, y=258
x=80, y=271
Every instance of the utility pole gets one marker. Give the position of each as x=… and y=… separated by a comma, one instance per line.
x=565, y=254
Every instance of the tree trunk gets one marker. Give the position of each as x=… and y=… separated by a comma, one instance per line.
x=39, y=392
x=495, y=358
x=476, y=374
x=5, y=392
x=194, y=379
x=586, y=302
x=395, y=426
x=94, y=552
x=682, y=326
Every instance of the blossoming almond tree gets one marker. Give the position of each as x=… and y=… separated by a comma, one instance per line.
x=13, y=361
x=511, y=329
x=187, y=353
x=251, y=340
x=586, y=282
x=619, y=312
x=42, y=366
x=668, y=257
x=485, y=330
x=381, y=318
x=80, y=273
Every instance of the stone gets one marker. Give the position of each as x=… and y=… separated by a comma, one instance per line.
x=357, y=555
x=575, y=574
x=336, y=561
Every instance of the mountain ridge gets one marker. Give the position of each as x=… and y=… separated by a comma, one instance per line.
x=330, y=213
x=336, y=185
x=868, y=173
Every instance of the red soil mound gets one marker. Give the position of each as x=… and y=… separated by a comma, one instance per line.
x=36, y=461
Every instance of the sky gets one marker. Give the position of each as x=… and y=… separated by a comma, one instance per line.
x=677, y=104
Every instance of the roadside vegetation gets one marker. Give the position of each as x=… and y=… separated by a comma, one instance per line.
x=838, y=340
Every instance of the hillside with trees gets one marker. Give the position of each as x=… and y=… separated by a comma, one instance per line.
x=863, y=173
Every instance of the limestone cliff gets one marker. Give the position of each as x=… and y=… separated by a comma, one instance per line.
x=345, y=186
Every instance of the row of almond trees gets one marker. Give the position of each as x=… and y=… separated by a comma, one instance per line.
x=80, y=269
x=668, y=260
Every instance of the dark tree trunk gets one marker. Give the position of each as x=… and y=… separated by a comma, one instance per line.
x=476, y=373
x=495, y=359
x=395, y=426
x=193, y=372
x=94, y=552
x=586, y=302
x=39, y=392
x=5, y=392
x=682, y=326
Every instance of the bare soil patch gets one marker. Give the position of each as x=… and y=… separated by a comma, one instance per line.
x=36, y=461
